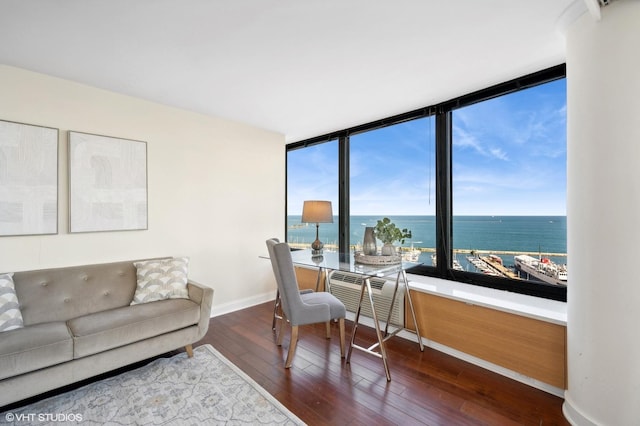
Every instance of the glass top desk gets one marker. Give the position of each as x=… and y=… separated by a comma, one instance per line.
x=334, y=261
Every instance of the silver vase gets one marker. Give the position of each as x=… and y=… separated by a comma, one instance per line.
x=369, y=243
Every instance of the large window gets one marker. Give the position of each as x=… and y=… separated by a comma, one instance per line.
x=509, y=185
x=480, y=181
x=392, y=174
x=312, y=174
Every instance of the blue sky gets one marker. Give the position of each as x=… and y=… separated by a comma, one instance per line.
x=509, y=154
x=509, y=158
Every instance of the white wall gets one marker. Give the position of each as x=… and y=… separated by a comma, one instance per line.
x=603, y=80
x=215, y=187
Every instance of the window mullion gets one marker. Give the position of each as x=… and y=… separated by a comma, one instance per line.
x=443, y=192
x=343, y=195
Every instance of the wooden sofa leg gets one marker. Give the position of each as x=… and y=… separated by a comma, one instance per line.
x=189, y=350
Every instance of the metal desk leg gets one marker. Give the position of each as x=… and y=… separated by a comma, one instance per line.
x=383, y=352
x=327, y=281
x=355, y=325
x=318, y=279
x=413, y=312
x=393, y=300
x=407, y=293
x=327, y=285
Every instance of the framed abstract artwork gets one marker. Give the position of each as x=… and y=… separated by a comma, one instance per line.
x=107, y=183
x=28, y=179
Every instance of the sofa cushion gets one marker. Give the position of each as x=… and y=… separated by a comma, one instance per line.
x=101, y=331
x=10, y=316
x=60, y=294
x=34, y=347
x=161, y=279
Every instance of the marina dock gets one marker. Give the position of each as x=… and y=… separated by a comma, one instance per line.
x=334, y=247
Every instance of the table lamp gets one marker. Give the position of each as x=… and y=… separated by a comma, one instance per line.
x=317, y=212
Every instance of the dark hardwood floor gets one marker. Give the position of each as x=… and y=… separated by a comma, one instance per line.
x=427, y=387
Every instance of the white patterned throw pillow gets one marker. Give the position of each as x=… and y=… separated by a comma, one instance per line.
x=161, y=279
x=10, y=315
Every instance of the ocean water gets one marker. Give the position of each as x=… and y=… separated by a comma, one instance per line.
x=526, y=234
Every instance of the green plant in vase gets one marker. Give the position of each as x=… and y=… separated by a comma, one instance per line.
x=387, y=232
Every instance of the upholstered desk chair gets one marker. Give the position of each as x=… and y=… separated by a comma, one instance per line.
x=301, y=309
x=277, y=304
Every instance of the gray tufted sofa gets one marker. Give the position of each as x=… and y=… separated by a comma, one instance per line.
x=78, y=324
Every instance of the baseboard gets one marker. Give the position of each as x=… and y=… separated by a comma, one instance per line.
x=573, y=415
x=237, y=305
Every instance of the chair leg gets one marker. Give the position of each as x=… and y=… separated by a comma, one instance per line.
x=341, y=324
x=189, y=350
x=328, y=324
x=281, y=331
x=292, y=346
x=276, y=305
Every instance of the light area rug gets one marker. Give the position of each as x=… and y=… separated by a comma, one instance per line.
x=204, y=390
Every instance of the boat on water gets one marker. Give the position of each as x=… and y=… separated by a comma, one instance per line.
x=456, y=264
x=298, y=225
x=412, y=254
x=542, y=269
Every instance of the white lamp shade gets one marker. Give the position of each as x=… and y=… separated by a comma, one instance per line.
x=315, y=211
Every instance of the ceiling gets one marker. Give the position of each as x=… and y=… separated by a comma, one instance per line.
x=299, y=67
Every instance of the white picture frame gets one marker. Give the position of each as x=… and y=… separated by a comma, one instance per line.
x=28, y=179
x=107, y=183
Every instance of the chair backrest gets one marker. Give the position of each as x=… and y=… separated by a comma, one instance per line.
x=280, y=255
x=270, y=243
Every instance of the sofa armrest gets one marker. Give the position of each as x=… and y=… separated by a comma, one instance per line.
x=203, y=296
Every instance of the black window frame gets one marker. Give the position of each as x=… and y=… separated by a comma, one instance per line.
x=444, y=212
